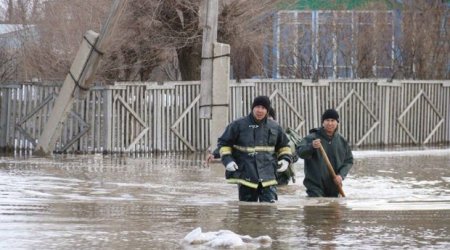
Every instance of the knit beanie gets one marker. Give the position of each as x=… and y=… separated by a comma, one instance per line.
x=330, y=114
x=263, y=101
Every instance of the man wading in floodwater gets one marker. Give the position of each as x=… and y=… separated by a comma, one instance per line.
x=283, y=178
x=318, y=181
x=247, y=149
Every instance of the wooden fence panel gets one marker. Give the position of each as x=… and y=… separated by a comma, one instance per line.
x=150, y=117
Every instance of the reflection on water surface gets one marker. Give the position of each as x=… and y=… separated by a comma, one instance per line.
x=68, y=202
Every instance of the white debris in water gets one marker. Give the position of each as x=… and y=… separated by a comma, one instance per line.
x=225, y=239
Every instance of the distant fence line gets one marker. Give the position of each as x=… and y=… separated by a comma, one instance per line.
x=152, y=117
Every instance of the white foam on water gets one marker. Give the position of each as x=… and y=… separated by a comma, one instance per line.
x=376, y=153
x=360, y=154
x=399, y=205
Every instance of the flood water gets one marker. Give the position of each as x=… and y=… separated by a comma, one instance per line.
x=394, y=200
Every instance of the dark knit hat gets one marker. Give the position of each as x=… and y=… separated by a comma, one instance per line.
x=263, y=101
x=330, y=114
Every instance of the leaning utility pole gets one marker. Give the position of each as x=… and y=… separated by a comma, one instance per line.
x=78, y=80
x=215, y=72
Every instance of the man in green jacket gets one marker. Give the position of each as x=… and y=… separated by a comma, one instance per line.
x=318, y=180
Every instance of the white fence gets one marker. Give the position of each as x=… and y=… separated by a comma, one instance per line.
x=150, y=117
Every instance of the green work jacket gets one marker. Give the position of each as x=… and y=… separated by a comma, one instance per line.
x=317, y=177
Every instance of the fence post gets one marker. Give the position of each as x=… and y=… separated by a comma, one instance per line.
x=221, y=82
x=386, y=128
x=4, y=95
x=315, y=112
x=107, y=119
x=446, y=87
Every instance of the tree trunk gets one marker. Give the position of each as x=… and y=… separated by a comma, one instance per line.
x=189, y=60
x=10, y=12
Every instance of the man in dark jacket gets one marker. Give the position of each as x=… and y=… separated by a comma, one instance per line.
x=318, y=181
x=247, y=149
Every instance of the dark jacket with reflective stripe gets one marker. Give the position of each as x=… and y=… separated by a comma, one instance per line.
x=317, y=176
x=255, y=148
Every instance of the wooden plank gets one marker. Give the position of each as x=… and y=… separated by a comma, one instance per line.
x=84, y=128
x=3, y=116
x=158, y=117
x=36, y=109
x=132, y=145
x=13, y=118
x=110, y=137
x=100, y=124
x=28, y=107
x=20, y=101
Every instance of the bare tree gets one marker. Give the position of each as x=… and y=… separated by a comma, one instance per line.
x=150, y=35
x=247, y=27
x=174, y=25
x=59, y=31
x=419, y=50
x=425, y=48
x=165, y=37
x=19, y=11
x=8, y=63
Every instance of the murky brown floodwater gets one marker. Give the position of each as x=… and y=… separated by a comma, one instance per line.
x=107, y=202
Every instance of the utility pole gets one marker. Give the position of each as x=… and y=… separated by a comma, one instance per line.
x=215, y=72
x=78, y=81
x=208, y=19
x=221, y=82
